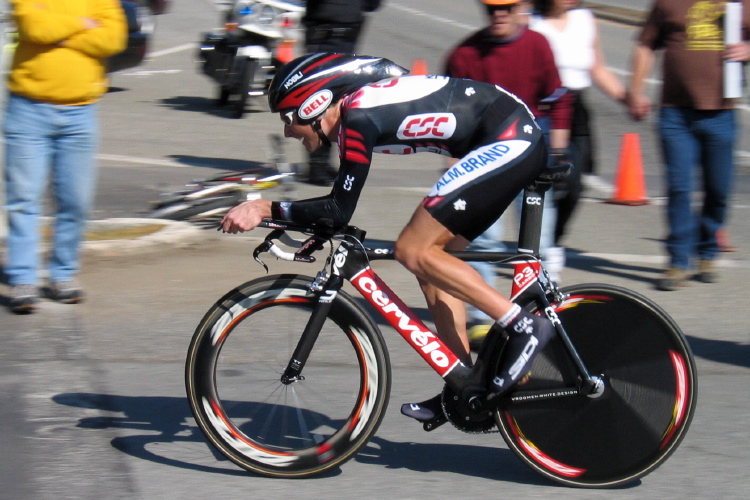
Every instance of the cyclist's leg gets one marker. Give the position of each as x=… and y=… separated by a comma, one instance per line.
x=448, y=312
x=447, y=281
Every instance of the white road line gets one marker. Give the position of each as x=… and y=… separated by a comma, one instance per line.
x=141, y=161
x=660, y=260
x=432, y=17
x=172, y=50
x=151, y=72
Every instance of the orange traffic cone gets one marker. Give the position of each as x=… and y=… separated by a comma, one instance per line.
x=285, y=52
x=418, y=67
x=630, y=187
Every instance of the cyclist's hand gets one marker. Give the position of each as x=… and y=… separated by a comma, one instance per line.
x=246, y=216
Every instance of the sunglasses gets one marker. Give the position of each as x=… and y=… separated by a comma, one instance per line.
x=491, y=9
x=287, y=118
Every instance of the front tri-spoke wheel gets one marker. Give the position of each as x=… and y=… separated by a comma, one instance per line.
x=234, y=371
x=644, y=412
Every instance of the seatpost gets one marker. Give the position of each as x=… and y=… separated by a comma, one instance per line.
x=532, y=208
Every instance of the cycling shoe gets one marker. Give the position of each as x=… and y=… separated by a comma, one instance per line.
x=528, y=334
x=424, y=411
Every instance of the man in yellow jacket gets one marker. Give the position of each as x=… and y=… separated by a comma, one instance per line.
x=51, y=132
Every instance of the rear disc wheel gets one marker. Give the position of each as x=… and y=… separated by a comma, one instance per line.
x=647, y=405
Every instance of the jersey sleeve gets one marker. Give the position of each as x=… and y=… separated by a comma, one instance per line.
x=356, y=141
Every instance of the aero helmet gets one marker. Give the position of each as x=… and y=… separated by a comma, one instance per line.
x=311, y=83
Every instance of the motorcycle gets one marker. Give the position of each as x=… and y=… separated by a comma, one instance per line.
x=258, y=37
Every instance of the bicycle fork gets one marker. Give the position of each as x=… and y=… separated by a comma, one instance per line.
x=326, y=294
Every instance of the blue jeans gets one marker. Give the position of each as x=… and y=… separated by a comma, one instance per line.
x=691, y=138
x=42, y=142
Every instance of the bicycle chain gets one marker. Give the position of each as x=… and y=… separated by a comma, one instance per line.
x=460, y=418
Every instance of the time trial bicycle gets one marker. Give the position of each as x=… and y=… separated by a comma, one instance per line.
x=288, y=376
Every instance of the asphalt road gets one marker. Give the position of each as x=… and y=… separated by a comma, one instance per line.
x=92, y=402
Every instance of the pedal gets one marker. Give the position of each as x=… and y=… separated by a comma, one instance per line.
x=434, y=423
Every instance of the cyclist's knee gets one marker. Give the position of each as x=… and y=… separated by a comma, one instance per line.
x=406, y=254
x=413, y=257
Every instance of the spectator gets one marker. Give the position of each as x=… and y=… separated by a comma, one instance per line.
x=697, y=125
x=332, y=26
x=57, y=76
x=508, y=54
x=571, y=32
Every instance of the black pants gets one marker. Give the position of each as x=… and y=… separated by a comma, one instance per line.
x=568, y=192
x=580, y=132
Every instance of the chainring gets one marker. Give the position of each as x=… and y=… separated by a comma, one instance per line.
x=463, y=418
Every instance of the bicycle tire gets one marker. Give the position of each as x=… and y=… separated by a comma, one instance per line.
x=641, y=417
x=186, y=210
x=235, y=361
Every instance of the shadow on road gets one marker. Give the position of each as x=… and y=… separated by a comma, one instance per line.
x=487, y=462
x=207, y=105
x=721, y=351
x=165, y=434
x=254, y=167
x=597, y=265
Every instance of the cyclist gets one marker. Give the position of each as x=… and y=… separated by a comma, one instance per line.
x=368, y=105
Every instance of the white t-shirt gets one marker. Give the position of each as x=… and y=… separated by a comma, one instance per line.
x=573, y=47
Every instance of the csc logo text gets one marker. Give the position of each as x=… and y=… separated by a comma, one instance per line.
x=427, y=126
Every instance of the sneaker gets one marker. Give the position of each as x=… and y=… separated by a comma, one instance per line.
x=554, y=262
x=528, y=335
x=23, y=299
x=706, y=271
x=67, y=292
x=672, y=279
x=476, y=335
x=424, y=411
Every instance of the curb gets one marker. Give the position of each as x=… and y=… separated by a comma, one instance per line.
x=173, y=234
x=618, y=14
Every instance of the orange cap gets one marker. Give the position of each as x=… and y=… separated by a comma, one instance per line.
x=500, y=2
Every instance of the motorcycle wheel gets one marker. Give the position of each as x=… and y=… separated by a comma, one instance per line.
x=246, y=73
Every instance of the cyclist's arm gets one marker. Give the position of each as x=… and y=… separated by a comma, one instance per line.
x=246, y=216
x=355, y=146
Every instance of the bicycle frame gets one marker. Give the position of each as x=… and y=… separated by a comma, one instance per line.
x=350, y=262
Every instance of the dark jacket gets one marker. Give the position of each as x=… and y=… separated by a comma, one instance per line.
x=338, y=11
